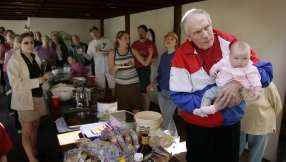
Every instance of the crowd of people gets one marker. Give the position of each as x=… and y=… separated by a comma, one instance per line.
x=212, y=77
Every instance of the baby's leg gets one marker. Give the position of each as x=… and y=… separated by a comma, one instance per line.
x=205, y=103
x=209, y=96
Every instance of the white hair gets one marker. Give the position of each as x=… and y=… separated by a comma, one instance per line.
x=188, y=15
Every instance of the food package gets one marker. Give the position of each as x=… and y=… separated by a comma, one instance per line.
x=160, y=138
x=71, y=155
x=160, y=155
x=134, y=138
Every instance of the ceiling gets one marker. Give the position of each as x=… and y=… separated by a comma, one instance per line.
x=80, y=9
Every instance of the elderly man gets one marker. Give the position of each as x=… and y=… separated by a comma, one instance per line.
x=144, y=72
x=214, y=137
x=78, y=45
x=98, y=49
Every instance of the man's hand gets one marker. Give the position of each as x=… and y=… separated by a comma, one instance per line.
x=227, y=94
x=79, y=51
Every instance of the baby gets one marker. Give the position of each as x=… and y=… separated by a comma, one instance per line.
x=237, y=66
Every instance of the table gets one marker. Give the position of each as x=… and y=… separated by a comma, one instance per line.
x=67, y=139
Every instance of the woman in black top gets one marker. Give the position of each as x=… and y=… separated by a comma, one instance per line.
x=26, y=81
x=61, y=50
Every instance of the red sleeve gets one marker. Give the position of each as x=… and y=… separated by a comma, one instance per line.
x=5, y=142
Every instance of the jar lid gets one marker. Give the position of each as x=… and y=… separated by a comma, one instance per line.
x=138, y=157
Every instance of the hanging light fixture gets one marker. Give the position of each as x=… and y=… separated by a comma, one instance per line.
x=26, y=29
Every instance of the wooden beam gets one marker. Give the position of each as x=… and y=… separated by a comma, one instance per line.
x=39, y=8
x=127, y=23
x=177, y=20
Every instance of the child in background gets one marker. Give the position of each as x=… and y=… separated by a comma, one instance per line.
x=237, y=66
x=77, y=69
x=5, y=144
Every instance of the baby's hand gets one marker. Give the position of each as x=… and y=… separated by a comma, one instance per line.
x=213, y=73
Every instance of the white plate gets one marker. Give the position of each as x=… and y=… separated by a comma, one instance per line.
x=122, y=67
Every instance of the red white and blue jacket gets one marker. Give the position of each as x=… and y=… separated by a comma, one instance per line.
x=189, y=79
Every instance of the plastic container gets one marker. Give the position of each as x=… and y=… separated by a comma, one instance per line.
x=87, y=133
x=138, y=157
x=106, y=106
x=123, y=119
x=147, y=122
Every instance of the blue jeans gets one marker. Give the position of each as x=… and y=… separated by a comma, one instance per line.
x=167, y=108
x=8, y=87
x=256, y=145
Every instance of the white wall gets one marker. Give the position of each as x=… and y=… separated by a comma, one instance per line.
x=261, y=23
x=112, y=26
x=78, y=27
x=161, y=21
x=16, y=25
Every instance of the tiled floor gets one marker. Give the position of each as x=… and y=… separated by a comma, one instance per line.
x=47, y=140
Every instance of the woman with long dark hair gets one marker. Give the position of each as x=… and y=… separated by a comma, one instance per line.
x=5, y=47
x=28, y=97
x=121, y=63
x=61, y=50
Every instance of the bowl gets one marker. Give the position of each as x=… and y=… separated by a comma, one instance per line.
x=55, y=72
x=65, y=93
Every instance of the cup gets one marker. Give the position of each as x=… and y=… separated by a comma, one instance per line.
x=91, y=79
x=56, y=100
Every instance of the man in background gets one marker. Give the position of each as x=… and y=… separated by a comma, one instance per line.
x=98, y=49
x=144, y=72
x=78, y=45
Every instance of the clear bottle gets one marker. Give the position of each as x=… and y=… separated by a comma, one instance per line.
x=145, y=148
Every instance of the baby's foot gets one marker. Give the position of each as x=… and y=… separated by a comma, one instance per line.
x=208, y=109
x=198, y=112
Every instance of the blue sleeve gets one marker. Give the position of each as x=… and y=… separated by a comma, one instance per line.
x=266, y=72
x=189, y=101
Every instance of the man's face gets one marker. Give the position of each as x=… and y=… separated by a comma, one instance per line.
x=75, y=40
x=200, y=31
x=95, y=34
x=142, y=33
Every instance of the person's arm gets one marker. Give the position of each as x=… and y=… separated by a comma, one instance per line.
x=149, y=88
x=112, y=68
x=274, y=98
x=140, y=58
x=77, y=70
x=85, y=55
x=3, y=158
x=18, y=83
x=1, y=54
